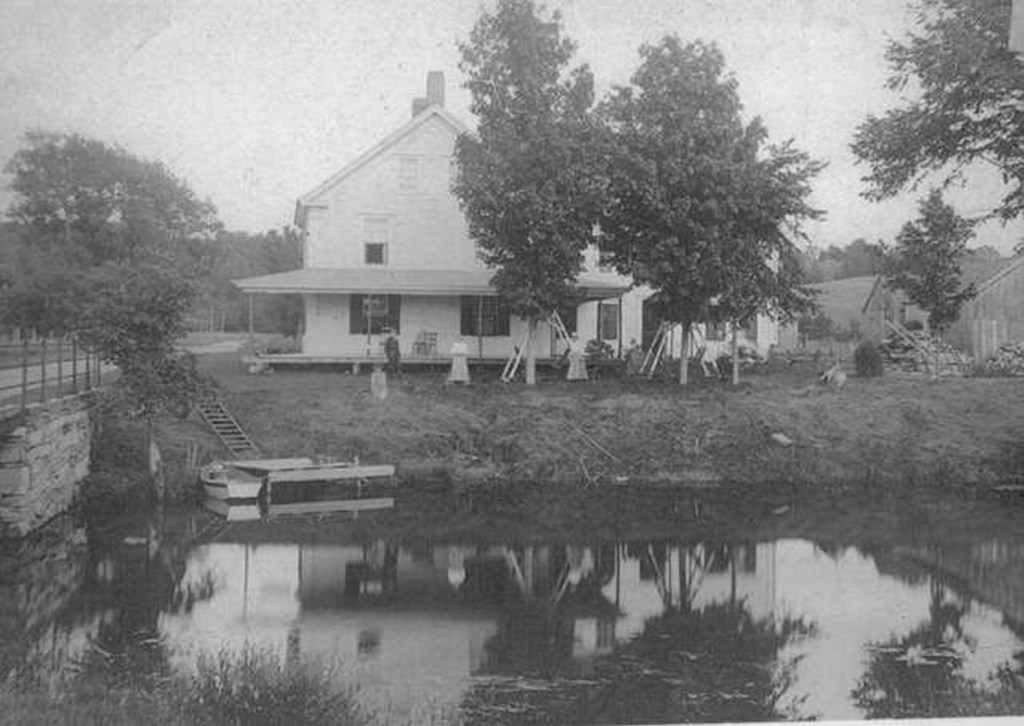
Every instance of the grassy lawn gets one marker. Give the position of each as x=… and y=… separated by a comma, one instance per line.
x=894, y=429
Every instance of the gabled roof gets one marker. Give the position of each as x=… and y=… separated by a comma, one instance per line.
x=431, y=112
x=401, y=282
x=996, y=272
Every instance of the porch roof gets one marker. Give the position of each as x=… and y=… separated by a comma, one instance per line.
x=401, y=282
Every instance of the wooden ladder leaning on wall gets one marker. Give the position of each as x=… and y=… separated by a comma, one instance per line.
x=512, y=364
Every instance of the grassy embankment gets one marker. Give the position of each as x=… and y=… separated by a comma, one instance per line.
x=891, y=431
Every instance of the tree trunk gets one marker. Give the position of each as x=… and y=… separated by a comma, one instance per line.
x=531, y=358
x=154, y=461
x=735, y=355
x=684, y=356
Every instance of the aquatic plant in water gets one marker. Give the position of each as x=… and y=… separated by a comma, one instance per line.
x=254, y=687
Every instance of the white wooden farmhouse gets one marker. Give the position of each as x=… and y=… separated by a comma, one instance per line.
x=386, y=247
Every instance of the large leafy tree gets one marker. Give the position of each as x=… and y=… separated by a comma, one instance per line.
x=963, y=95
x=925, y=261
x=99, y=203
x=699, y=207
x=526, y=181
x=112, y=249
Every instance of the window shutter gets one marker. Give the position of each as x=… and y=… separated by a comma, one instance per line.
x=394, y=312
x=467, y=314
x=504, y=318
x=356, y=319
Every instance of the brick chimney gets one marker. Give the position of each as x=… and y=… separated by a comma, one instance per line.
x=435, y=93
x=435, y=88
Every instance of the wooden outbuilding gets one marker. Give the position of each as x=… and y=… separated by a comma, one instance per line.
x=994, y=317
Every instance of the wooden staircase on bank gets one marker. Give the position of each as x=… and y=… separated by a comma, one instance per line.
x=227, y=429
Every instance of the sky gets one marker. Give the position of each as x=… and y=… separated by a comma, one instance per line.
x=255, y=102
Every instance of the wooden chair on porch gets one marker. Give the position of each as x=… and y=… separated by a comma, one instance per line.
x=425, y=344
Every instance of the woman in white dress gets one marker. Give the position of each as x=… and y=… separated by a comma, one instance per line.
x=460, y=366
x=577, y=360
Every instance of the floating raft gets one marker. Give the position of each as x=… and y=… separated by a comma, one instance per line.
x=333, y=483
x=295, y=480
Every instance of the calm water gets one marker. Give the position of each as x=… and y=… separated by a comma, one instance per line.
x=669, y=629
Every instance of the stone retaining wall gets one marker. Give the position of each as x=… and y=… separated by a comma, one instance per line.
x=42, y=462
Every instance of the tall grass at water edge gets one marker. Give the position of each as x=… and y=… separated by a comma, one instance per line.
x=250, y=687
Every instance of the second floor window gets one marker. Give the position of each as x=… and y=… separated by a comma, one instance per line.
x=714, y=331
x=375, y=253
x=376, y=236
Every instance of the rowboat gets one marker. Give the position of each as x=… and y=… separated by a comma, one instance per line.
x=245, y=478
x=224, y=481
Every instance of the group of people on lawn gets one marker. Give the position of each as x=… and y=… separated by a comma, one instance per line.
x=576, y=355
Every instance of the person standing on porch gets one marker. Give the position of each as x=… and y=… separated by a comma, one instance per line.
x=577, y=360
x=392, y=353
x=460, y=364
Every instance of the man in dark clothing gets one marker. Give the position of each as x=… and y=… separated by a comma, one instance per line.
x=393, y=355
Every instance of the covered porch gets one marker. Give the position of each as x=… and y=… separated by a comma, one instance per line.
x=349, y=313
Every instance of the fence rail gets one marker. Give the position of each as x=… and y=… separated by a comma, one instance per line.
x=32, y=372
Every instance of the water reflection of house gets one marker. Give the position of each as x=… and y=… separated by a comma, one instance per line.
x=391, y=616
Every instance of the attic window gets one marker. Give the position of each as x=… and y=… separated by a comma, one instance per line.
x=408, y=172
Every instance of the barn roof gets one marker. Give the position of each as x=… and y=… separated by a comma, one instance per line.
x=981, y=272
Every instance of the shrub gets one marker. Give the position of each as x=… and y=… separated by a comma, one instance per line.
x=868, y=360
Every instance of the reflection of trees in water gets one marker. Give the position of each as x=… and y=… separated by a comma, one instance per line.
x=128, y=586
x=711, y=664
x=920, y=675
x=717, y=664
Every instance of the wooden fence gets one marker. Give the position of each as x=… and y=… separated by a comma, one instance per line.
x=32, y=372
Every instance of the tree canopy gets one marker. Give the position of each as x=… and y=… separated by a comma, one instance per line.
x=525, y=180
x=99, y=203
x=925, y=261
x=699, y=207
x=963, y=103
x=111, y=247
x=221, y=306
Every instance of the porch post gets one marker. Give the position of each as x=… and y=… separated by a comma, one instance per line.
x=618, y=353
x=251, y=334
x=479, y=327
